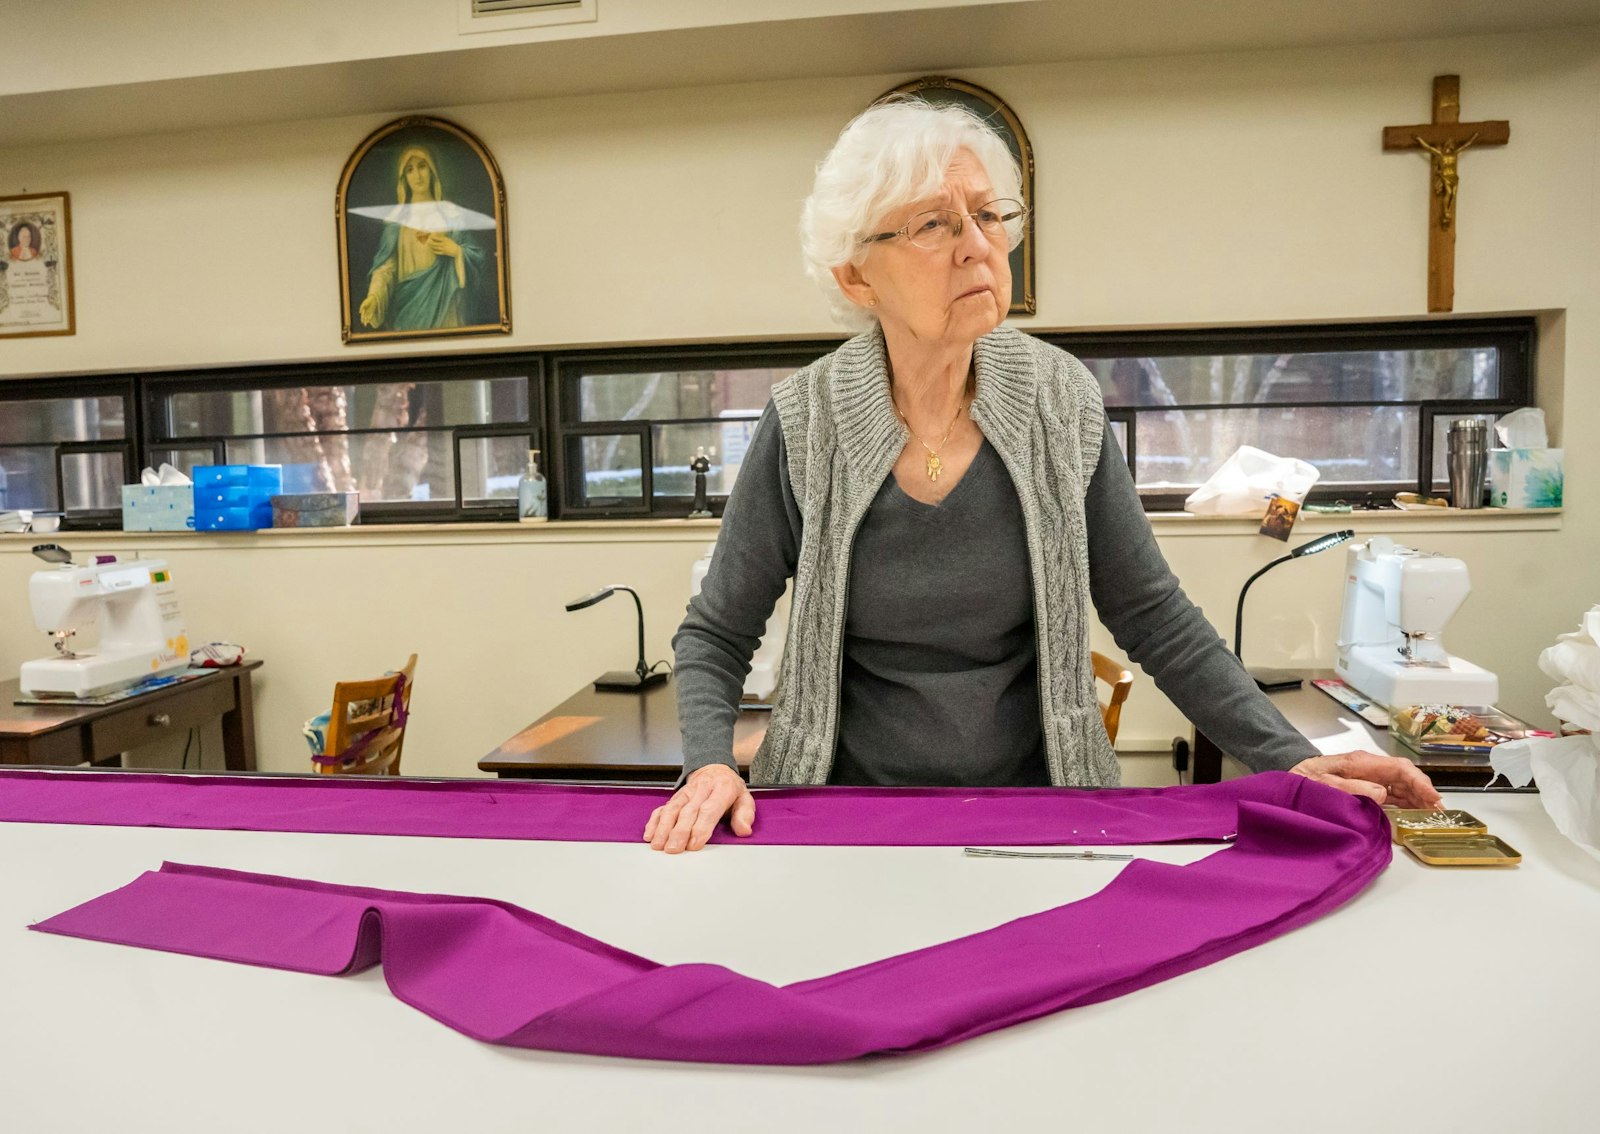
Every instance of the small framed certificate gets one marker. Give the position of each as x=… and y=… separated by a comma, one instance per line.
x=36, y=265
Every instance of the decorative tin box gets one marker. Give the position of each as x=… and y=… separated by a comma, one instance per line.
x=315, y=509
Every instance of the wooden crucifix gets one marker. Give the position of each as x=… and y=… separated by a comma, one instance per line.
x=1444, y=138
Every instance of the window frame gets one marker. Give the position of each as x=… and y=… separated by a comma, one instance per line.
x=568, y=369
x=158, y=390
x=565, y=438
x=129, y=444
x=554, y=406
x=1514, y=337
x=491, y=508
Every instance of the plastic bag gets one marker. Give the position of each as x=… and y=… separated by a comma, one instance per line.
x=315, y=731
x=1568, y=771
x=1247, y=479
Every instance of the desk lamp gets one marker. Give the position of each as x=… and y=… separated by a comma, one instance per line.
x=621, y=680
x=1270, y=679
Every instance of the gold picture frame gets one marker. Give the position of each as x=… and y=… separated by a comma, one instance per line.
x=36, y=285
x=421, y=218
x=992, y=108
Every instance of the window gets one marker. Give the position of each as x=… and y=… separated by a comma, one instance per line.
x=66, y=447
x=446, y=438
x=1368, y=406
x=418, y=440
x=629, y=423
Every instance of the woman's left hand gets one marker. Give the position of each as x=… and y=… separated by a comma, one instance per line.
x=1387, y=779
x=441, y=245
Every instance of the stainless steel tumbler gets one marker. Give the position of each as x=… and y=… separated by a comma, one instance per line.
x=1468, y=449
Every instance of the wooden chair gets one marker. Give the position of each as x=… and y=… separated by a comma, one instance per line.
x=367, y=725
x=1120, y=681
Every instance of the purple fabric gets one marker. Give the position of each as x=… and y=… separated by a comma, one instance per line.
x=813, y=816
x=505, y=975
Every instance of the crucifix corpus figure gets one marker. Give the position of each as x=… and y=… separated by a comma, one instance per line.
x=1445, y=175
x=1444, y=138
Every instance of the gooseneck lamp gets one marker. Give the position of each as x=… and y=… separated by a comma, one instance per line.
x=1270, y=679
x=621, y=680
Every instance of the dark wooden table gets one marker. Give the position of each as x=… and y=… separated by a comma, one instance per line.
x=1319, y=716
x=634, y=737
x=75, y=734
x=595, y=735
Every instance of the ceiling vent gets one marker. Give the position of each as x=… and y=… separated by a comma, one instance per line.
x=511, y=15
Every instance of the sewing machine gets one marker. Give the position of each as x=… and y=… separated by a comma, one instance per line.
x=141, y=628
x=1397, y=600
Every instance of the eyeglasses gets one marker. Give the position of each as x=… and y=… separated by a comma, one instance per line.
x=936, y=228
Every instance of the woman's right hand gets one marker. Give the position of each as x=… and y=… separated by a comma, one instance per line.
x=686, y=821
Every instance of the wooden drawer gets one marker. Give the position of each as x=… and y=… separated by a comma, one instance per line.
x=63, y=747
x=150, y=721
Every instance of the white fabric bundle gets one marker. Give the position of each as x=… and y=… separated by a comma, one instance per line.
x=1568, y=767
x=1575, y=662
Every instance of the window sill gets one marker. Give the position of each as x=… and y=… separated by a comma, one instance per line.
x=1166, y=524
x=1383, y=522
x=381, y=535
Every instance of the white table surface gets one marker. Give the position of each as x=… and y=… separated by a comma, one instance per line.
x=1460, y=1000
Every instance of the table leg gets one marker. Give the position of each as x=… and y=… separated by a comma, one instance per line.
x=1207, y=760
x=239, y=727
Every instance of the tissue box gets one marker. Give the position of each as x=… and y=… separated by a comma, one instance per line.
x=233, y=498
x=1525, y=478
x=315, y=510
x=157, y=508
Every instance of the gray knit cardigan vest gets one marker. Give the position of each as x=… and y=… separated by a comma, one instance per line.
x=1040, y=409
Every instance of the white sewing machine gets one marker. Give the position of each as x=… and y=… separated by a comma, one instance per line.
x=1396, y=602
x=141, y=628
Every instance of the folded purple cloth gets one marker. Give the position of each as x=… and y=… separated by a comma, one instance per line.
x=488, y=809
x=505, y=975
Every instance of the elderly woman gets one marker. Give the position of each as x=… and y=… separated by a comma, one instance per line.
x=946, y=495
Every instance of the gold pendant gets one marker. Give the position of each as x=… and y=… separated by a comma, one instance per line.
x=935, y=466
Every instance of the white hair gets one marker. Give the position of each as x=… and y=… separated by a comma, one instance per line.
x=892, y=154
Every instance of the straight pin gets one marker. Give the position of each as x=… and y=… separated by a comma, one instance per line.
x=1083, y=855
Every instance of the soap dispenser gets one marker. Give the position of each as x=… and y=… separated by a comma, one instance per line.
x=533, y=498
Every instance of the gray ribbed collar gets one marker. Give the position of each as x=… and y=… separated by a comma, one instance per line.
x=869, y=430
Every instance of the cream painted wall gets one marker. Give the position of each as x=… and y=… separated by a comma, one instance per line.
x=1206, y=189
x=482, y=610
x=116, y=42
x=1190, y=190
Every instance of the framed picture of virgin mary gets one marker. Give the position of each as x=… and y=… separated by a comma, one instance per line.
x=992, y=109
x=421, y=211
x=36, y=265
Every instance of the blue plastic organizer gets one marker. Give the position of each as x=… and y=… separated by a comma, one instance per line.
x=235, y=498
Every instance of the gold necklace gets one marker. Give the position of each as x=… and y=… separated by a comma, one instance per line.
x=935, y=465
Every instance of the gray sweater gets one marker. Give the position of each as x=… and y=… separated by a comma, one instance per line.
x=939, y=679
x=948, y=649
x=1040, y=410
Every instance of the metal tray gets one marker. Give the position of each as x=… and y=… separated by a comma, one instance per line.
x=1461, y=850
x=1413, y=822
